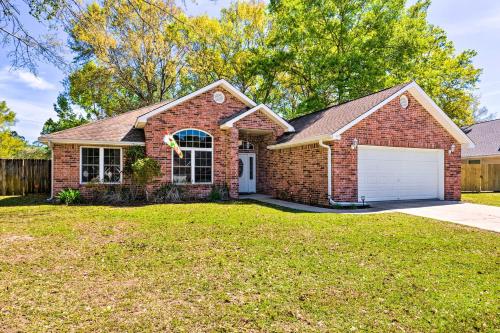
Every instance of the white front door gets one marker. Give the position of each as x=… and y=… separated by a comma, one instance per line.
x=246, y=171
x=387, y=173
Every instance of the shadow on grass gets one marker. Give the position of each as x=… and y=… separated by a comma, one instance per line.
x=42, y=199
x=29, y=200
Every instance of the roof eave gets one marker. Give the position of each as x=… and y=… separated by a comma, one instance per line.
x=49, y=141
x=303, y=142
x=272, y=115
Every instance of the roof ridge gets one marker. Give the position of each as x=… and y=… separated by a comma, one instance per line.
x=482, y=122
x=98, y=121
x=352, y=100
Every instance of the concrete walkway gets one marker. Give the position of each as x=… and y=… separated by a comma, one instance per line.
x=473, y=215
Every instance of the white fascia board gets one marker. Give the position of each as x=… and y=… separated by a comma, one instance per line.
x=267, y=111
x=440, y=115
x=141, y=121
x=49, y=142
x=306, y=141
x=429, y=105
x=372, y=110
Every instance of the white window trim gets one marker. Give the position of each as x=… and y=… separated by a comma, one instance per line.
x=101, y=165
x=192, y=150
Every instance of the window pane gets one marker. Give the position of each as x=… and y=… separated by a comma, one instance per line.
x=90, y=164
x=203, y=167
x=251, y=167
x=193, y=139
x=111, y=165
x=182, y=168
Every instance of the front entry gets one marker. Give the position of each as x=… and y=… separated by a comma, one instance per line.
x=246, y=171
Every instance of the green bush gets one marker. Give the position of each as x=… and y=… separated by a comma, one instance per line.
x=69, y=196
x=168, y=193
x=144, y=170
x=219, y=193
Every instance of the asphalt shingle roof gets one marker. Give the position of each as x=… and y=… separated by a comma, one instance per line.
x=333, y=118
x=486, y=137
x=119, y=128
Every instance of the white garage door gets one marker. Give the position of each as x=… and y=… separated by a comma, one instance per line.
x=387, y=173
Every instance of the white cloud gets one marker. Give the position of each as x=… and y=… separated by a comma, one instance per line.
x=24, y=77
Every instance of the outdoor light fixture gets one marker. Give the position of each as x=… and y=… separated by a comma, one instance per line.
x=354, y=144
x=452, y=149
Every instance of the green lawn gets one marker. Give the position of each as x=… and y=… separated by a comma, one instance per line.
x=240, y=267
x=489, y=198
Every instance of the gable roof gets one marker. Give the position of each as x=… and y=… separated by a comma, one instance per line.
x=229, y=122
x=486, y=136
x=141, y=121
x=117, y=130
x=330, y=123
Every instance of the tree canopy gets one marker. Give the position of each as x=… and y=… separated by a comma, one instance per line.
x=296, y=56
x=12, y=145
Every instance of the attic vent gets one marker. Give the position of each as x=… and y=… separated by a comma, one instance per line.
x=403, y=101
x=219, y=97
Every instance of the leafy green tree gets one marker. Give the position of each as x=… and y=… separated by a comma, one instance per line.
x=233, y=47
x=338, y=50
x=95, y=90
x=138, y=48
x=12, y=145
x=67, y=118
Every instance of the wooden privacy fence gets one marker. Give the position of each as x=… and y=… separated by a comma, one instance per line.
x=21, y=177
x=479, y=177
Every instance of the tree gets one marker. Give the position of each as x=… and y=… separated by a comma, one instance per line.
x=137, y=46
x=481, y=114
x=233, y=47
x=12, y=145
x=67, y=118
x=338, y=50
x=26, y=49
x=95, y=90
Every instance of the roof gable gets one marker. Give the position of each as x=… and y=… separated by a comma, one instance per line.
x=228, y=123
x=330, y=123
x=141, y=121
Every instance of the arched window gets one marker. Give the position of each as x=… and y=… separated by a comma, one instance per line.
x=245, y=145
x=196, y=166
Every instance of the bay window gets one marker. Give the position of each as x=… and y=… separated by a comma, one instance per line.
x=196, y=166
x=98, y=164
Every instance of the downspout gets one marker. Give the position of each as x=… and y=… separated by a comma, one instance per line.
x=330, y=199
x=49, y=143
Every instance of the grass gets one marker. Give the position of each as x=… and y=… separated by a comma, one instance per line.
x=485, y=198
x=240, y=267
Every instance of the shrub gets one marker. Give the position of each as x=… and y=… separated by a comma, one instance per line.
x=168, y=193
x=144, y=170
x=219, y=193
x=69, y=196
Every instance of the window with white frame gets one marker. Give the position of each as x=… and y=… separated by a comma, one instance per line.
x=196, y=166
x=101, y=165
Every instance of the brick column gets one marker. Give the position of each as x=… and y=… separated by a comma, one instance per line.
x=232, y=160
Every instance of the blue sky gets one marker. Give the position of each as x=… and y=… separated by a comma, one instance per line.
x=470, y=24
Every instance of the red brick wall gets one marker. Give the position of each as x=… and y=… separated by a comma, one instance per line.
x=201, y=113
x=66, y=168
x=259, y=121
x=393, y=126
x=298, y=174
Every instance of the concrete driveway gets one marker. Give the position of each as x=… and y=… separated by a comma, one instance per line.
x=473, y=215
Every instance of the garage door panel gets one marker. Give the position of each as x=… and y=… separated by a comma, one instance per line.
x=386, y=173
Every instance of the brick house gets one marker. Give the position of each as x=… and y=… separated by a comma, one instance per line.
x=395, y=144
